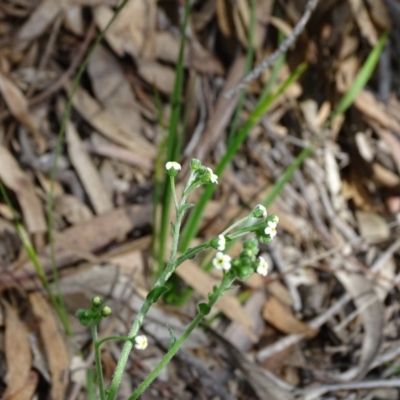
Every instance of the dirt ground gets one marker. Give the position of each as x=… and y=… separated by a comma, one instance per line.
x=324, y=323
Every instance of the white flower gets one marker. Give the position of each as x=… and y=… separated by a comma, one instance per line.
x=221, y=243
x=271, y=229
x=173, y=165
x=141, y=342
x=222, y=261
x=213, y=177
x=262, y=267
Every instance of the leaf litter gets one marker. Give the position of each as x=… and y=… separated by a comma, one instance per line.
x=323, y=323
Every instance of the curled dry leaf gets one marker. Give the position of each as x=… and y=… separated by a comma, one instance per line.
x=54, y=345
x=15, y=179
x=87, y=172
x=112, y=88
x=17, y=351
x=39, y=21
x=18, y=107
x=282, y=318
x=109, y=126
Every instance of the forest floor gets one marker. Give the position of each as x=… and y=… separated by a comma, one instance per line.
x=323, y=324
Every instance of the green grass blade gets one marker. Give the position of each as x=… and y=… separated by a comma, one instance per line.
x=173, y=142
x=362, y=77
x=248, y=64
x=193, y=222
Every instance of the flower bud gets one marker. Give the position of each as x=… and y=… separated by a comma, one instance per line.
x=195, y=164
x=172, y=168
x=106, y=311
x=259, y=211
x=97, y=301
x=219, y=243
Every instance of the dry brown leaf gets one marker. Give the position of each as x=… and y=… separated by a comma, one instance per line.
x=379, y=13
x=158, y=75
x=80, y=241
x=385, y=176
x=17, y=351
x=103, y=147
x=282, y=318
x=222, y=112
x=18, y=107
x=54, y=345
x=39, y=21
x=14, y=178
x=362, y=18
x=72, y=209
x=74, y=20
x=110, y=127
x=392, y=142
x=87, y=172
x=203, y=283
x=241, y=19
x=195, y=55
x=28, y=389
x=133, y=30
x=367, y=104
x=112, y=88
x=222, y=17
x=370, y=308
x=372, y=227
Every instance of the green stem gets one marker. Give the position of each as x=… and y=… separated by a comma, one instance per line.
x=172, y=181
x=227, y=281
x=137, y=323
x=235, y=224
x=97, y=355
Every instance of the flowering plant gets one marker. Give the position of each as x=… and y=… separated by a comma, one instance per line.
x=241, y=267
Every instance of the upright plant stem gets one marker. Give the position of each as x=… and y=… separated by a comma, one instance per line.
x=172, y=264
x=225, y=284
x=97, y=355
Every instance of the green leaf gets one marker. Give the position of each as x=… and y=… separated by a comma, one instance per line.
x=172, y=339
x=156, y=293
x=204, y=308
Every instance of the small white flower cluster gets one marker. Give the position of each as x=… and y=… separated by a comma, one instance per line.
x=271, y=229
x=170, y=165
x=140, y=342
x=262, y=267
x=213, y=177
x=173, y=168
x=221, y=243
x=222, y=262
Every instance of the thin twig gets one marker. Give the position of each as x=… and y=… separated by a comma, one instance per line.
x=269, y=61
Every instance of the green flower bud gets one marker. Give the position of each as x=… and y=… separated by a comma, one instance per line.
x=250, y=244
x=106, y=311
x=97, y=301
x=219, y=243
x=84, y=316
x=259, y=211
x=244, y=272
x=172, y=168
x=195, y=164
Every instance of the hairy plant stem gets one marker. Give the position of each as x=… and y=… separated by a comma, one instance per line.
x=169, y=269
x=226, y=283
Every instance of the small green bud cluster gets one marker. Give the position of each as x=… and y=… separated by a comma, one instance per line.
x=93, y=315
x=247, y=263
x=201, y=174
